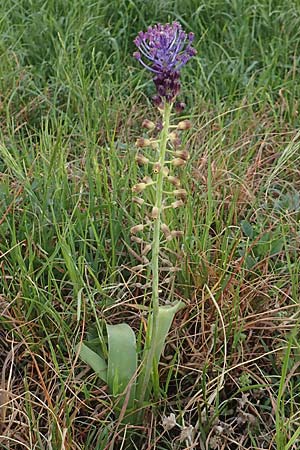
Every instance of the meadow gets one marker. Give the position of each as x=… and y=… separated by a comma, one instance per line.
x=72, y=101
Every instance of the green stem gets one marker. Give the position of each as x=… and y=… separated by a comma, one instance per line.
x=151, y=335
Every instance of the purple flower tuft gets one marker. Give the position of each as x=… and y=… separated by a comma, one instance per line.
x=164, y=49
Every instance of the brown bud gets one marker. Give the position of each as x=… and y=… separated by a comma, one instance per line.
x=141, y=159
x=183, y=154
x=166, y=262
x=173, y=135
x=155, y=212
x=142, y=142
x=181, y=193
x=146, y=249
x=139, y=187
x=184, y=125
x=154, y=145
x=138, y=268
x=177, y=233
x=177, y=204
x=148, y=124
x=145, y=260
x=178, y=162
x=136, y=239
x=174, y=138
x=147, y=180
x=174, y=180
x=136, y=229
x=156, y=167
x=168, y=279
x=139, y=201
x=165, y=171
x=165, y=229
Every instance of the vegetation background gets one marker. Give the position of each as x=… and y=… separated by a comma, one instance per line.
x=72, y=100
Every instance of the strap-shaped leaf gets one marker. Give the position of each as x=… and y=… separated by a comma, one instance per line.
x=122, y=360
x=94, y=360
x=165, y=318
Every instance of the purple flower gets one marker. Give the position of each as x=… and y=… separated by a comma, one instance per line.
x=164, y=49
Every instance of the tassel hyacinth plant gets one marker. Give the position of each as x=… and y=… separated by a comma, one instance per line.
x=163, y=50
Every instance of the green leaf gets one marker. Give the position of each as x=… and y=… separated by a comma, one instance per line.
x=247, y=229
x=165, y=318
x=250, y=262
x=94, y=360
x=276, y=246
x=262, y=248
x=122, y=360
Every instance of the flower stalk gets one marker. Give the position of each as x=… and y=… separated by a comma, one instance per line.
x=152, y=330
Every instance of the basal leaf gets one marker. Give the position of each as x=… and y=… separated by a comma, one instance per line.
x=122, y=360
x=94, y=360
x=166, y=315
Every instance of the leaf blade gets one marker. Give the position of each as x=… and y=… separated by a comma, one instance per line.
x=94, y=360
x=122, y=360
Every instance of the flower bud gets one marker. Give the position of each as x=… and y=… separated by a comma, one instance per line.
x=138, y=268
x=155, y=212
x=177, y=233
x=157, y=101
x=181, y=193
x=169, y=237
x=173, y=135
x=174, y=138
x=148, y=124
x=165, y=229
x=136, y=229
x=159, y=125
x=168, y=279
x=139, y=187
x=142, y=142
x=184, y=125
x=156, y=167
x=139, y=201
x=178, y=162
x=141, y=159
x=183, y=154
x=154, y=145
x=147, y=180
x=146, y=249
x=177, y=204
x=179, y=107
x=136, y=239
x=166, y=262
x=174, y=180
x=145, y=260
x=165, y=171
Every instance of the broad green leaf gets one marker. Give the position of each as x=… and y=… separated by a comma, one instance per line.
x=166, y=315
x=276, y=246
x=247, y=229
x=262, y=248
x=122, y=360
x=94, y=360
x=250, y=262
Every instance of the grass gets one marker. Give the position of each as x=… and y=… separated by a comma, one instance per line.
x=72, y=100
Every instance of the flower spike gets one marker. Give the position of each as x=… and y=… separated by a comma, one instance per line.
x=164, y=50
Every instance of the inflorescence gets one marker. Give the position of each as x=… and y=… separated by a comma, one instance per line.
x=164, y=50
